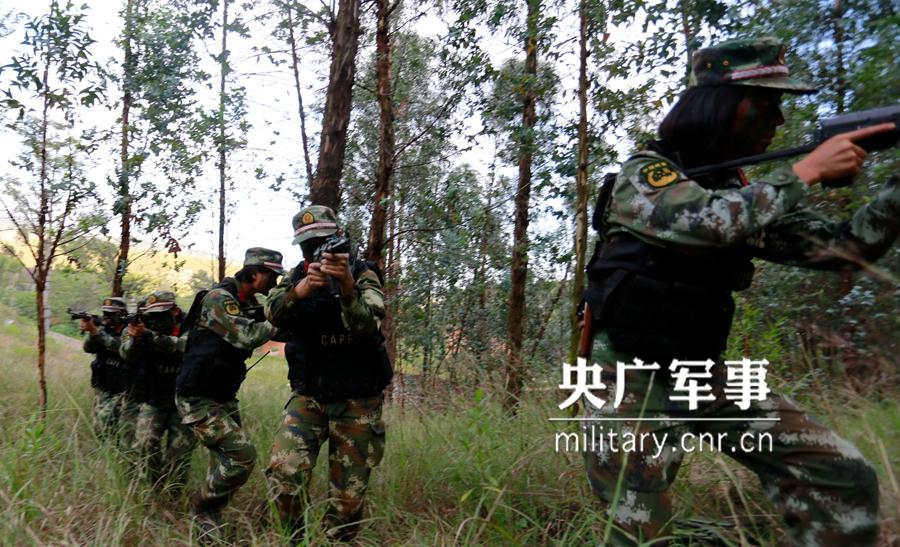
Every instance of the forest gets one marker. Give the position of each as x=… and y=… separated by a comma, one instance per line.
x=462, y=145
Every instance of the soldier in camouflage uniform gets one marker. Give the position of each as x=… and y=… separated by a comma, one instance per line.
x=109, y=374
x=225, y=324
x=660, y=288
x=132, y=398
x=162, y=443
x=338, y=369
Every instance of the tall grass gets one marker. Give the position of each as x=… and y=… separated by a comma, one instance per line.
x=462, y=475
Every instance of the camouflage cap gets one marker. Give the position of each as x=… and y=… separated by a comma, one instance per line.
x=114, y=304
x=314, y=221
x=264, y=257
x=754, y=62
x=158, y=301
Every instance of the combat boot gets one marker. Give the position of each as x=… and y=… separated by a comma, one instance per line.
x=206, y=517
x=338, y=531
x=290, y=514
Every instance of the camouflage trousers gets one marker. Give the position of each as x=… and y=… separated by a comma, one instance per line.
x=231, y=456
x=163, y=445
x=128, y=415
x=355, y=434
x=105, y=413
x=115, y=416
x=819, y=482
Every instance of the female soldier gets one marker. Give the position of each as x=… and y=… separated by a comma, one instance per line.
x=660, y=295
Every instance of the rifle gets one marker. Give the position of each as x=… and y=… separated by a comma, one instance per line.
x=137, y=318
x=81, y=314
x=827, y=128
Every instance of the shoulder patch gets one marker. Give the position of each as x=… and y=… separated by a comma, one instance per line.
x=232, y=308
x=659, y=173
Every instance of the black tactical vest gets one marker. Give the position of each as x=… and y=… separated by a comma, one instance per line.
x=109, y=372
x=327, y=361
x=213, y=368
x=155, y=376
x=660, y=304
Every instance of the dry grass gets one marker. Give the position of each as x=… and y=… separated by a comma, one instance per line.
x=462, y=475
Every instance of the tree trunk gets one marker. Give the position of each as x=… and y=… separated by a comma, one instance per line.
x=481, y=273
x=41, y=267
x=223, y=69
x=391, y=300
x=426, y=353
x=840, y=83
x=515, y=369
x=374, y=250
x=295, y=64
x=689, y=33
x=849, y=353
x=338, y=101
x=581, y=187
x=124, y=187
x=42, y=342
x=391, y=278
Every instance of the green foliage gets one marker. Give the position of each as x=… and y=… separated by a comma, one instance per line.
x=57, y=69
x=167, y=131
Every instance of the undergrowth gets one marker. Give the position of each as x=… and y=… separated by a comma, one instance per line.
x=465, y=474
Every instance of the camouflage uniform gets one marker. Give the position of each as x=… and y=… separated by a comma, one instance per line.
x=338, y=370
x=162, y=443
x=109, y=374
x=822, y=485
x=105, y=413
x=129, y=409
x=225, y=335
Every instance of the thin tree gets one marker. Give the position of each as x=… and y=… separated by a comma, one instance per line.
x=515, y=332
x=126, y=163
x=295, y=67
x=158, y=123
x=224, y=69
x=375, y=248
x=345, y=30
x=57, y=74
x=581, y=181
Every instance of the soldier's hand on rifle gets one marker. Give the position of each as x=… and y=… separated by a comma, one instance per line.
x=87, y=325
x=315, y=279
x=338, y=267
x=137, y=330
x=837, y=157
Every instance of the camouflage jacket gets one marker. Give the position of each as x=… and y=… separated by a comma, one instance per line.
x=656, y=202
x=361, y=313
x=102, y=341
x=222, y=314
x=156, y=361
x=108, y=371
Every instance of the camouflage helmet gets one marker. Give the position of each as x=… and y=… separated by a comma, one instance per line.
x=314, y=221
x=158, y=301
x=114, y=304
x=753, y=62
x=259, y=256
